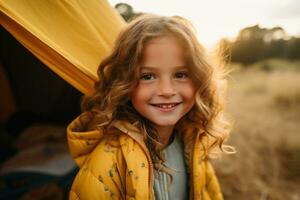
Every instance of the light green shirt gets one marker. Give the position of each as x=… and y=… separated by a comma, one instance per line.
x=174, y=159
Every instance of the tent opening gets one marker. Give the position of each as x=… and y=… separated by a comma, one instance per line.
x=35, y=107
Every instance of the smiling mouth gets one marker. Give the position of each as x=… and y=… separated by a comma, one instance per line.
x=165, y=106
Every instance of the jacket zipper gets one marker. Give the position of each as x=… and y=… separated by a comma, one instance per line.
x=192, y=174
x=192, y=168
x=150, y=178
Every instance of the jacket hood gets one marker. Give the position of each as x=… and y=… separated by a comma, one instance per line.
x=81, y=144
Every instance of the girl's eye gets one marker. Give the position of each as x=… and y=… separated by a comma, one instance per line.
x=181, y=75
x=147, y=76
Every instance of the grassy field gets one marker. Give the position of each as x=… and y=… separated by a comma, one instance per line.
x=265, y=108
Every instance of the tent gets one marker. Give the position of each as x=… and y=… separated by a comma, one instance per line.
x=69, y=38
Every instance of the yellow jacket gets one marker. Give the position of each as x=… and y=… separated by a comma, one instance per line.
x=118, y=166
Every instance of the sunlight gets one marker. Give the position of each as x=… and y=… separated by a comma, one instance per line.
x=216, y=19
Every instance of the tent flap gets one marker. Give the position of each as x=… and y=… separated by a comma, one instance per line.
x=71, y=37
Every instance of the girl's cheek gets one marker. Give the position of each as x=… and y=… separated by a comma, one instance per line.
x=188, y=89
x=190, y=95
x=145, y=88
x=140, y=93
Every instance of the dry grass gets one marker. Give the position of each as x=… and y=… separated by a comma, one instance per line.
x=265, y=107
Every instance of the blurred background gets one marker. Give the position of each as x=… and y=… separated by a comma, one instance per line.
x=259, y=43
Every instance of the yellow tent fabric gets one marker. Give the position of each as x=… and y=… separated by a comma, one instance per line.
x=70, y=36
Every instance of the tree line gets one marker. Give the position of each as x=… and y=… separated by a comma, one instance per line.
x=255, y=43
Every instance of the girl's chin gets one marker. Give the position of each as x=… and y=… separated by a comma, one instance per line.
x=165, y=125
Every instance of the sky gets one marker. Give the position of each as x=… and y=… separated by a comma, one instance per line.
x=215, y=19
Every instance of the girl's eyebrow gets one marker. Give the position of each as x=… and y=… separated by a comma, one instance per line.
x=153, y=67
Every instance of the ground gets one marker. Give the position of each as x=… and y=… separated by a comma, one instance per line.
x=264, y=106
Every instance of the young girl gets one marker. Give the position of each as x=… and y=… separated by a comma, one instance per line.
x=154, y=119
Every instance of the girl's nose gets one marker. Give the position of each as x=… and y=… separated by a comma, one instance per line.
x=166, y=88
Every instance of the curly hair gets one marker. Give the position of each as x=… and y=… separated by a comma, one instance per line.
x=119, y=74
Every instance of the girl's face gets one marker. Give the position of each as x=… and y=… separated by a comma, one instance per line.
x=165, y=92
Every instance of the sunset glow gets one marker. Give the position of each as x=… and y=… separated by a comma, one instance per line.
x=216, y=19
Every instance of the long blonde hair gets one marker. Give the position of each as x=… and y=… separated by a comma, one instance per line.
x=119, y=74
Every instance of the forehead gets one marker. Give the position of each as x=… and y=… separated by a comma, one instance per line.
x=164, y=50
